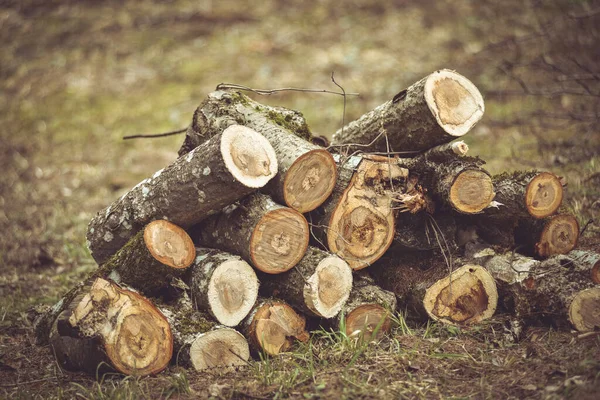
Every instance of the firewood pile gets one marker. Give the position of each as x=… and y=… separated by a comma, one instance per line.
x=257, y=227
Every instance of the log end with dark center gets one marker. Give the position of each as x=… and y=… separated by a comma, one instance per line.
x=455, y=101
x=275, y=326
x=467, y=296
x=471, y=192
x=584, y=311
x=232, y=291
x=169, y=244
x=328, y=289
x=219, y=349
x=279, y=240
x=310, y=180
x=368, y=322
x=544, y=195
x=559, y=236
x=249, y=157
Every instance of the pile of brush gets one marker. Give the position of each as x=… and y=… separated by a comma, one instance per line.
x=258, y=226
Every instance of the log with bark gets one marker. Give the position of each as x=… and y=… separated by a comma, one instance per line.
x=367, y=313
x=223, y=285
x=319, y=285
x=272, y=327
x=424, y=231
x=435, y=110
x=110, y=328
x=425, y=286
x=307, y=173
x=271, y=237
x=357, y=221
x=199, y=342
x=546, y=237
x=224, y=169
x=557, y=290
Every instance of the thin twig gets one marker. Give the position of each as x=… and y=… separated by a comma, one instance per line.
x=156, y=135
x=344, y=94
x=268, y=92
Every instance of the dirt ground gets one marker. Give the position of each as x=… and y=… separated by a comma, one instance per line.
x=76, y=76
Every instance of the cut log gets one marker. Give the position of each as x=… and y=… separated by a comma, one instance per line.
x=150, y=259
x=459, y=183
x=549, y=236
x=435, y=110
x=423, y=285
x=223, y=170
x=271, y=237
x=112, y=327
x=525, y=195
x=443, y=151
x=307, y=172
x=555, y=291
x=273, y=326
x=222, y=284
x=319, y=285
x=368, y=310
x=357, y=222
x=199, y=342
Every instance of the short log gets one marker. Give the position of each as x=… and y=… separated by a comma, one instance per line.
x=546, y=237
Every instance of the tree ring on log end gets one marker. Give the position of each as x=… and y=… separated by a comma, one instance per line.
x=279, y=240
x=365, y=319
x=275, y=325
x=248, y=156
x=544, y=195
x=328, y=289
x=310, y=180
x=454, y=100
x=472, y=191
x=360, y=236
x=169, y=244
x=232, y=291
x=467, y=296
x=559, y=236
x=137, y=337
x=220, y=348
x=584, y=311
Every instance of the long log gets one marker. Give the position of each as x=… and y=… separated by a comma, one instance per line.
x=435, y=110
x=306, y=173
x=271, y=237
x=546, y=237
x=558, y=290
x=425, y=287
x=272, y=327
x=357, y=221
x=112, y=328
x=223, y=285
x=319, y=285
x=367, y=313
x=199, y=342
x=222, y=170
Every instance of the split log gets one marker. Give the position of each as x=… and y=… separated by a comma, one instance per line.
x=222, y=284
x=221, y=171
x=150, y=259
x=271, y=237
x=558, y=290
x=273, y=326
x=199, y=342
x=525, y=195
x=547, y=237
x=368, y=310
x=466, y=296
x=109, y=327
x=307, y=172
x=357, y=221
x=435, y=110
x=319, y=285
x=459, y=183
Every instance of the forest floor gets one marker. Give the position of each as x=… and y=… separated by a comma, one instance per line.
x=76, y=76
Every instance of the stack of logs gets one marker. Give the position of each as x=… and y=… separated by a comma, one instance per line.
x=256, y=227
